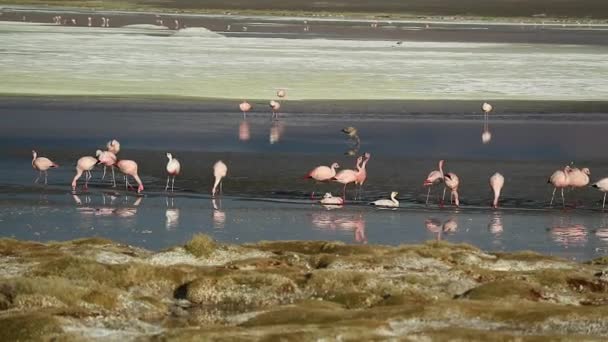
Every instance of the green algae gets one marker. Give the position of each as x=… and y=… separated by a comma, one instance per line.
x=304, y=290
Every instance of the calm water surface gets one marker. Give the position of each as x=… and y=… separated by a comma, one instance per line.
x=265, y=196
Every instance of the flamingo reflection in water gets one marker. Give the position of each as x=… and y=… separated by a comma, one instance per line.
x=569, y=235
x=436, y=227
x=277, y=129
x=219, y=216
x=332, y=220
x=171, y=214
x=244, y=131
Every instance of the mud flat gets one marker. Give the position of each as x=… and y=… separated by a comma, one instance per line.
x=98, y=289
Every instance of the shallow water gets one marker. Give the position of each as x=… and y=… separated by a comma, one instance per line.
x=144, y=60
x=265, y=196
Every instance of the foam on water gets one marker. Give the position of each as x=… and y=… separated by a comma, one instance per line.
x=193, y=62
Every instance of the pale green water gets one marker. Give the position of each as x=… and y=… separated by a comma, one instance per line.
x=45, y=59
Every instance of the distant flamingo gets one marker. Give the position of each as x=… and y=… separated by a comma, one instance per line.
x=388, y=203
x=362, y=174
x=347, y=176
x=496, y=183
x=219, y=171
x=451, y=181
x=275, y=106
x=42, y=164
x=84, y=165
x=433, y=178
x=322, y=173
x=107, y=158
x=602, y=185
x=129, y=168
x=487, y=108
x=113, y=146
x=281, y=93
x=560, y=179
x=173, y=169
x=244, y=107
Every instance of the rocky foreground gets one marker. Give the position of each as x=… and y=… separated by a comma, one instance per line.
x=98, y=289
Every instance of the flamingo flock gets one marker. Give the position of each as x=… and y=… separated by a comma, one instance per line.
x=568, y=177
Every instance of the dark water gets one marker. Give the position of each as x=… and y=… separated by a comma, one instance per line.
x=265, y=196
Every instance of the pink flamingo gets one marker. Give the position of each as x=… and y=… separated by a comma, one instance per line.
x=433, y=178
x=281, y=93
x=219, y=171
x=129, y=168
x=42, y=164
x=244, y=107
x=496, y=183
x=560, y=179
x=173, y=169
x=322, y=173
x=107, y=158
x=578, y=178
x=275, y=106
x=347, y=176
x=84, y=165
x=362, y=174
x=451, y=181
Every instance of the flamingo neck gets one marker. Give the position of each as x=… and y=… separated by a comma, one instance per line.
x=441, y=169
x=496, y=196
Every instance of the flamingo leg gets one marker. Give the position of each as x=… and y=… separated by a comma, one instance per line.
x=221, y=187
x=344, y=193
x=604, y=202
x=126, y=183
x=113, y=178
x=104, y=173
x=167, y=186
x=552, y=197
x=86, y=179
x=172, y=183
x=38, y=178
x=46, y=174
x=428, y=193
x=563, y=201
x=443, y=196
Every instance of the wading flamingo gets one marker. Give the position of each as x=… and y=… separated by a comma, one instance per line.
x=322, y=173
x=602, y=185
x=245, y=107
x=578, y=178
x=42, y=164
x=362, y=174
x=559, y=179
x=451, y=181
x=173, y=169
x=219, y=171
x=274, y=107
x=347, y=176
x=107, y=158
x=84, y=165
x=497, y=181
x=129, y=168
x=388, y=203
x=433, y=178
x=487, y=108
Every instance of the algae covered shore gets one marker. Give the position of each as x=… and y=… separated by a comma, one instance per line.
x=305, y=290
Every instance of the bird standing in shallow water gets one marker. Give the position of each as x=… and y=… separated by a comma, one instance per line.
x=602, y=185
x=129, y=168
x=84, y=165
x=173, y=169
x=560, y=179
x=322, y=173
x=219, y=171
x=497, y=181
x=42, y=164
x=107, y=158
x=452, y=182
x=245, y=107
x=387, y=203
x=274, y=107
x=433, y=178
x=347, y=176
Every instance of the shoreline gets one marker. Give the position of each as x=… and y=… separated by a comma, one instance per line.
x=295, y=289
x=325, y=106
